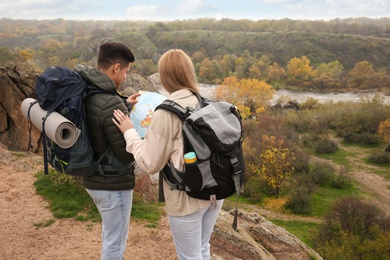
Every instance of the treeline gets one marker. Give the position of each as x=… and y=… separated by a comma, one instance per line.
x=299, y=73
x=335, y=54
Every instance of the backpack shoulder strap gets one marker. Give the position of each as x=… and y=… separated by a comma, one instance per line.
x=175, y=108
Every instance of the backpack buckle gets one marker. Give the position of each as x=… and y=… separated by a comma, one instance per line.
x=236, y=166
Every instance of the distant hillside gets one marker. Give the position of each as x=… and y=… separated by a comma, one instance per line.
x=59, y=41
x=282, y=46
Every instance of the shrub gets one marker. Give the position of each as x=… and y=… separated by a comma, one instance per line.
x=309, y=140
x=326, y=146
x=354, y=229
x=300, y=201
x=254, y=190
x=321, y=173
x=379, y=157
x=342, y=179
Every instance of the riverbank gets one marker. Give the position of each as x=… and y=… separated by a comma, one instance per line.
x=302, y=96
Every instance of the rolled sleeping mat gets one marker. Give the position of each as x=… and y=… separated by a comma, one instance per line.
x=58, y=128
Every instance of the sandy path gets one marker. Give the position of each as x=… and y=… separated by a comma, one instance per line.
x=21, y=210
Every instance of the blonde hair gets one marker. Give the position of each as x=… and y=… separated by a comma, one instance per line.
x=177, y=71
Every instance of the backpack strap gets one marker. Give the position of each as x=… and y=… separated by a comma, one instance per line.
x=169, y=170
x=175, y=108
x=44, y=141
x=30, y=124
x=237, y=184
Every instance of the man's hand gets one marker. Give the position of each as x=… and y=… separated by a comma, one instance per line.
x=132, y=100
x=122, y=121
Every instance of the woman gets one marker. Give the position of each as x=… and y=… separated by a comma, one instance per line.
x=191, y=220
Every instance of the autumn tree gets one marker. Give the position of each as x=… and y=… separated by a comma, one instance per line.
x=329, y=75
x=26, y=54
x=205, y=69
x=259, y=69
x=227, y=64
x=198, y=57
x=211, y=71
x=299, y=71
x=363, y=76
x=384, y=133
x=242, y=65
x=247, y=94
x=276, y=74
x=277, y=162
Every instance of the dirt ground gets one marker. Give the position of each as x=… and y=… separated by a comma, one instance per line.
x=21, y=211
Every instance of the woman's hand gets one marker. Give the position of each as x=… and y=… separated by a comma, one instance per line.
x=122, y=121
x=132, y=100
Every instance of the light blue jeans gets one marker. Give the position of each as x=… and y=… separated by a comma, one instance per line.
x=191, y=233
x=115, y=210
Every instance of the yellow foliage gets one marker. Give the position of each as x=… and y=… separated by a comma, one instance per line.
x=244, y=111
x=276, y=162
x=384, y=130
x=260, y=110
x=26, y=54
x=246, y=93
x=274, y=204
x=299, y=70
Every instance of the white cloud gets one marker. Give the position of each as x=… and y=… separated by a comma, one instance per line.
x=330, y=9
x=190, y=6
x=143, y=12
x=219, y=16
x=279, y=1
x=42, y=9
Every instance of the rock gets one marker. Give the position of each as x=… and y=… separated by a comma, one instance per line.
x=134, y=83
x=258, y=238
x=17, y=82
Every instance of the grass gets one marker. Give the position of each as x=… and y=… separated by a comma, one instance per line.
x=68, y=199
x=149, y=211
x=44, y=224
x=324, y=198
x=339, y=157
x=301, y=229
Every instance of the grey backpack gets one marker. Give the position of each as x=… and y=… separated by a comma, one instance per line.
x=213, y=131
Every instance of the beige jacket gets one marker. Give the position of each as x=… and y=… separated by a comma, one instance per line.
x=163, y=142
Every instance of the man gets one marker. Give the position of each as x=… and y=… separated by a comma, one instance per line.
x=111, y=188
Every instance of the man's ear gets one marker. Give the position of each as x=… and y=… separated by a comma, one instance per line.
x=116, y=68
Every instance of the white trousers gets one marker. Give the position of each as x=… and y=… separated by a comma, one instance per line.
x=191, y=233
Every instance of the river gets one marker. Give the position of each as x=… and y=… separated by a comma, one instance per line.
x=301, y=96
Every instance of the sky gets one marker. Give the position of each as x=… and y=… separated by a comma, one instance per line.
x=169, y=10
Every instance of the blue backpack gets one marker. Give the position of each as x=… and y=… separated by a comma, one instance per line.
x=63, y=90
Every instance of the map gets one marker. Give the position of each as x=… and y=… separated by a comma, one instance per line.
x=142, y=112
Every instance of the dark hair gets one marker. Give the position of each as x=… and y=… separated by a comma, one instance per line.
x=114, y=52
